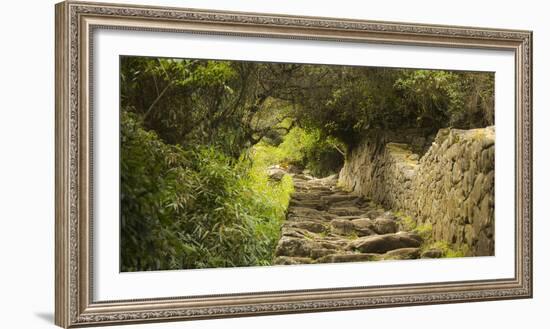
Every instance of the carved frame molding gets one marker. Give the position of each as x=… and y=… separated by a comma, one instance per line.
x=76, y=22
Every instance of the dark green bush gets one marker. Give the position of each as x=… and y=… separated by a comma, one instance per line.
x=305, y=149
x=351, y=101
x=190, y=209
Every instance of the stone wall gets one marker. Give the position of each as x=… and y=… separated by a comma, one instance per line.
x=450, y=187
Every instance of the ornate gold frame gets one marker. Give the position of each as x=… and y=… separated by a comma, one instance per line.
x=76, y=21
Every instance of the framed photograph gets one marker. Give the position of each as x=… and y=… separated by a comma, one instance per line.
x=218, y=164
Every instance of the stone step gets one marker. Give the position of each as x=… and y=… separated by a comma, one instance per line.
x=309, y=213
x=309, y=195
x=314, y=204
x=380, y=244
x=314, y=189
x=286, y=260
x=299, y=247
x=328, y=225
x=346, y=211
x=402, y=253
x=346, y=204
x=309, y=225
x=338, y=197
x=347, y=257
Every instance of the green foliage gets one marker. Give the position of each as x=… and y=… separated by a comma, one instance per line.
x=446, y=98
x=223, y=104
x=232, y=105
x=346, y=102
x=294, y=144
x=198, y=135
x=184, y=101
x=305, y=149
x=193, y=209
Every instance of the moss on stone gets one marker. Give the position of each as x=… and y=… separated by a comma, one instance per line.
x=424, y=230
x=448, y=250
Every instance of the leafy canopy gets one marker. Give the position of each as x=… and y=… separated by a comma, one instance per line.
x=198, y=135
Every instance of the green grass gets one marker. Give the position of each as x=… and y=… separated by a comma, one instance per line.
x=275, y=195
x=448, y=250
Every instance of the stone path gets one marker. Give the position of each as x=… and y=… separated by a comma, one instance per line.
x=328, y=225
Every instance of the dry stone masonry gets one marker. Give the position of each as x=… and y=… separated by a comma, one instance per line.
x=451, y=187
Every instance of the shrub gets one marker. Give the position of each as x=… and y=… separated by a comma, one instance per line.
x=193, y=208
x=305, y=149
